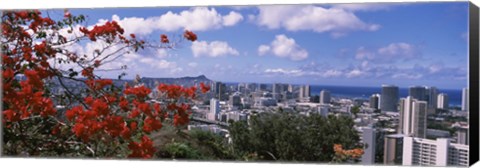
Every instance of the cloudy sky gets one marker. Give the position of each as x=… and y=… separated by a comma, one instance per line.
x=343, y=44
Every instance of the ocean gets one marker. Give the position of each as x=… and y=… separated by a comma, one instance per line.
x=454, y=96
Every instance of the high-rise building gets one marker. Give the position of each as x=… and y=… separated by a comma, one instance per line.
x=442, y=101
x=465, y=100
x=462, y=135
x=413, y=117
x=251, y=87
x=290, y=88
x=276, y=91
x=432, y=93
x=235, y=100
x=324, y=97
x=307, y=91
x=393, y=149
x=262, y=87
x=418, y=92
x=375, y=101
x=389, y=98
x=301, y=93
x=276, y=88
x=214, y=109
x=369, y=138
x=220, y=90
x=439, y=152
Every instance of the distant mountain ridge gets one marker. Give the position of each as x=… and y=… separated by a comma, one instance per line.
x=148, y=81
x=184, y=81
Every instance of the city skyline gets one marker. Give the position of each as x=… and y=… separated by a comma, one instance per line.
x=365, y=44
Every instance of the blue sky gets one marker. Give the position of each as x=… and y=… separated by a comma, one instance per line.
x=348, y=44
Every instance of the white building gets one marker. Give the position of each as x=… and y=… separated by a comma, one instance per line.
x=442, y=101
x=440, y=152
x=214, y=109
x=465, y=99
x=413, y=117
x=323, y=110
x=324, y=97
x=264, y=102
x=374, y=101
x=301, y=93
x=307, y=91
x=369, y=138
x=462, y=135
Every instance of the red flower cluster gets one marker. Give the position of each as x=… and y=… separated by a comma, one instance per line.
x=164, y=38
x=67, y=14
x=143, y=149
x=353, y=153
x=88, y=72
x=140, y=92
x=37, y=21
x=189, y=35
x=103, y=115
x=204, y=88
x=28, y=99
x=98, y=84
x=109, y=30
x=176, y=91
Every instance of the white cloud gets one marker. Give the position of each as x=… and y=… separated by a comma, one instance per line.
x=284, y=47
x=263, y=49
x=332, y=73
x=354, y=73
x=313, y=18
x=195, y=19
x=406, y=76
x=294, y=72
x=390, y=53
x=193, y=64
x=362, y=7
x=232, y=18
x=162, y=53
x=160, y=64
x=212, y=49
x=398, y=49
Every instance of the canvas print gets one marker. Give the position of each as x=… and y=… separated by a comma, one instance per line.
x=369, y=83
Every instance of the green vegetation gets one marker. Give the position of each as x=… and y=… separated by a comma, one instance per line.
x=191, y=145
x=292, y=137
x=355, y=110
x=280, y=136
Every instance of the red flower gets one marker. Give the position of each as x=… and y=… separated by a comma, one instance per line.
x=151, y=124
x=10, y=115
x=96, y=63
x=67, y=14
x=204, y=87
x=100, y=107
x=125, y=133
x=133, y=125
x=144, y=149
x=189, y=35
x=132, y=35
x=79, y=129
x=123, y=104
x=135, y=113
x=70, y=114
x=8, y=73
x=141, y=91
x=88, y=72
x=164, y=38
